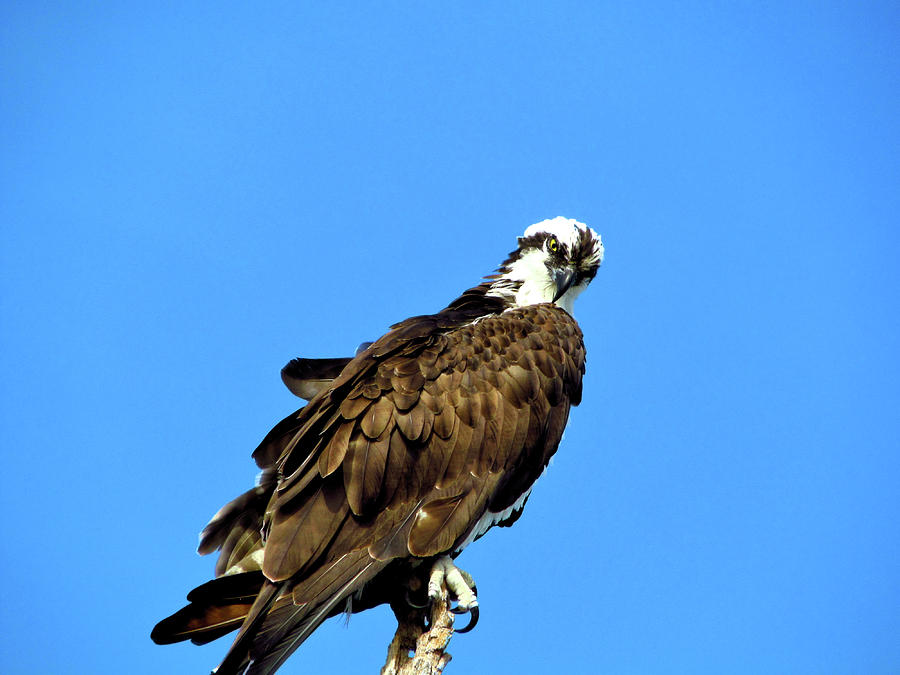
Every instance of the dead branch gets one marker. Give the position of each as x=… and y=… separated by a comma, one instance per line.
x=418, y=649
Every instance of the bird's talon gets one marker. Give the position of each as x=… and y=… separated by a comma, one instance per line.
x=415, y=605
x=460, y=587
x=473, y=611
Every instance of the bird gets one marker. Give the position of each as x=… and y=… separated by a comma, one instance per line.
x=403, y=455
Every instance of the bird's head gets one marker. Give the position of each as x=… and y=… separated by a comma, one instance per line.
x=555, y=261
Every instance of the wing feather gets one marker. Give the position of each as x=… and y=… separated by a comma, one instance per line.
x=364, y=472
x=333, y=455
x=297, y=538
x=376, y=418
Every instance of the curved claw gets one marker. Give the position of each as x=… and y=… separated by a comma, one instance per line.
x=473, y=612
x=415, y=605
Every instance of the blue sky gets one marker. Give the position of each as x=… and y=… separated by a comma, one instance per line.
x=193, y=194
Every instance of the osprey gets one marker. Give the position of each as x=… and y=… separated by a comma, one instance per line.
x=404, y=454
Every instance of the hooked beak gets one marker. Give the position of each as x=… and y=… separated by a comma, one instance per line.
x=563, y=278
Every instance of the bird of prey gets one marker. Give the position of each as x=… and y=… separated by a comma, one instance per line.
x=404, y=454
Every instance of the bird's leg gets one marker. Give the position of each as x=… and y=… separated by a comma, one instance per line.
x=460, y=585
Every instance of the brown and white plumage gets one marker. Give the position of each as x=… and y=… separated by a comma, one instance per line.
x=405, y=453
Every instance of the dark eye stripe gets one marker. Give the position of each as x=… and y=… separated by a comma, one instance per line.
x=579, y=250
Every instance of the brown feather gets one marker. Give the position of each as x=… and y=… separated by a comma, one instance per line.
x=364, y=471
x=376, y=418
x=398, y=467
x=506, y=431
x=239, y=548
x=519, y=439
x=336, y=449
x=217, y=607
x=518, y=388
x=444, y=422
x=371, y=390
x=392, y=532
x=412, y=422
x=404, y=400
x=297, y=538
x=308, y=377
x=434, y=403
x=473, y=452
x=425, y=537
x=468, y=407
x=351, y=408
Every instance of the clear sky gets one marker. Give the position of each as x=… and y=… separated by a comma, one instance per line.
x=195, y=193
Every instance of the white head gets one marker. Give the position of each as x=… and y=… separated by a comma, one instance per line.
x=555, y=262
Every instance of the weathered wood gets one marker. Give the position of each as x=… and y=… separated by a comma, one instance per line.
x=415, y=649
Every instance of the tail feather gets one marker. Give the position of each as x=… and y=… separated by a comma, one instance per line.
x=199, y=624
x=217, y=607
x=271, y=625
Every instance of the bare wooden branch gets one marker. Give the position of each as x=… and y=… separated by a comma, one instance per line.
x=415, y=649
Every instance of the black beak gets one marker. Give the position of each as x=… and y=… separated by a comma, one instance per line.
x=563, y=278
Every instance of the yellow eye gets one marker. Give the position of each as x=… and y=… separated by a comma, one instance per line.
x=552, y=245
